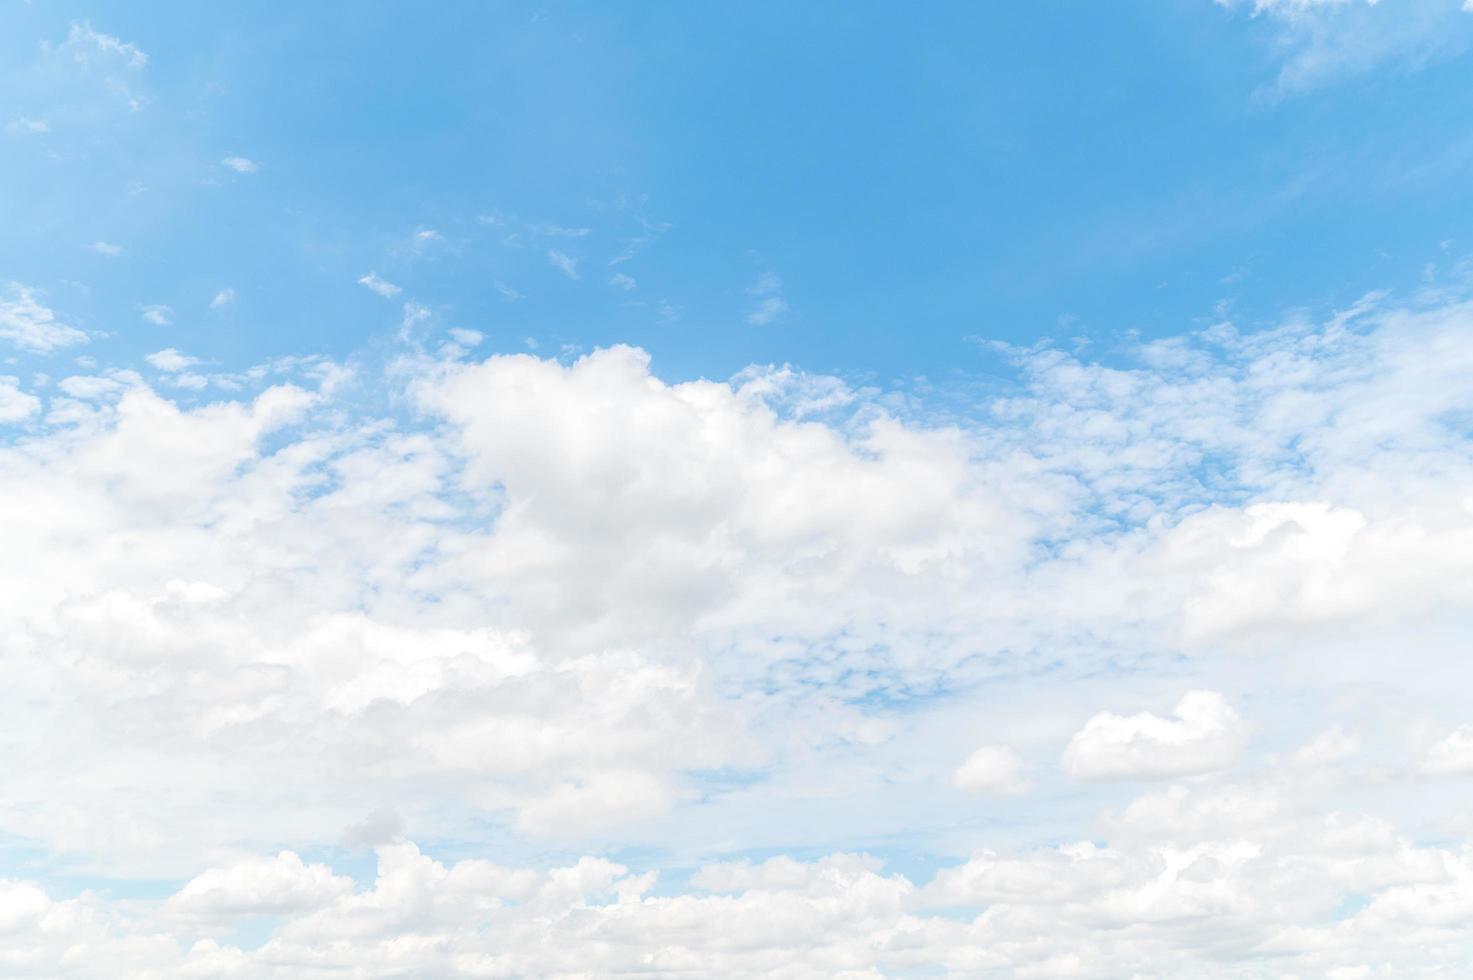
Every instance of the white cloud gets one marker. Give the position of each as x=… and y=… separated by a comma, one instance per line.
x=1452, y=755
x=83, y=41
x=465, y=337
x=770, y=305
x=1203, y=734
x=24, y=126
x=257, y=886
x=31, y=326
x=558, y=231
x=240, y=165
x=222, y=299
x=106, y=248
x=170, y=359
x=383, y=287
x=563, y=263
x=158, y=314
x=1327, y=748
x=16, y=405
x=620, y=280
x=992, y=769
x=1320, y=42
x=507, y=293
x=686, y=621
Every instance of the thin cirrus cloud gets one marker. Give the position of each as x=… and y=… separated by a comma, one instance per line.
x=563, y=263
x=382, y=287
x=769, y=303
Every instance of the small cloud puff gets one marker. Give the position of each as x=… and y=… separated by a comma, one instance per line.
x=170, y=359
x=1204, y=734
x=223, y=298
x=770, y=304
x=992, y=770
x=106, y=248
x=158, y=314
x=1453, y=756
x=383, y=287
x=241, y=165
x=1327, y=748
x=15, y=404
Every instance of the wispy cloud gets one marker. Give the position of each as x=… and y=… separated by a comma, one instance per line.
x=383, y=287
x=223, y=298
x=106, y=248
x=565, y=264
x=767, y=291
x=1324, y=41
x=507, y=293
x=84, y=41
x=620, y=280
x=241, y=165
x=31, y=326
x=23, y=126
x=558, y=231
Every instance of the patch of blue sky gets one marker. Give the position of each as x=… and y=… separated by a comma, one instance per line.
x=852, y=190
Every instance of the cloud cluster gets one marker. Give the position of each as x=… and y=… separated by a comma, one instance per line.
x=569, y=607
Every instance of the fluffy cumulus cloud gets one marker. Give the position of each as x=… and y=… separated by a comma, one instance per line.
x=1203, y=734
x=610, y=649
x=992, y=769
x=16, y=404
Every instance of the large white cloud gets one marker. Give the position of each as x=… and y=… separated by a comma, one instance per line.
x=561, y=608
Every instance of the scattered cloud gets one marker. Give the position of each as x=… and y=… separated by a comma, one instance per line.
x=1203, y=734
x=15, y=404
x=563, y=263
x=84, y=42
x=31, y=326
x=1324, y=41
x=383, y=287
x=558, y=231
x=1329, y=747
x=25, y=126
x=240, y=165
x=1452, y=755
x=170, y=359
x=767, y=291
x=992, y=770
x=106, y=248
x=620, y=280
x=158, y=314
x=222, y=299
x=507, y=293
x=466, y=338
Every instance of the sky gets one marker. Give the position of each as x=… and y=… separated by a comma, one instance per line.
x=750, y=490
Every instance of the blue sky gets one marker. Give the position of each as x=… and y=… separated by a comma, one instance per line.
x=1006, y=171
x=852, y=490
